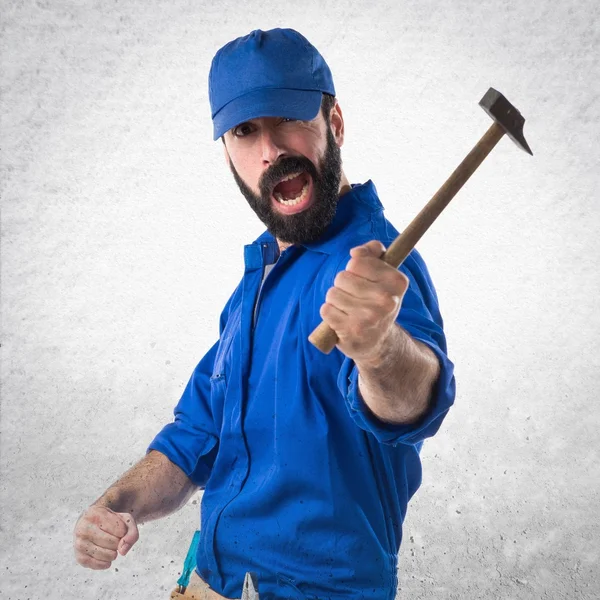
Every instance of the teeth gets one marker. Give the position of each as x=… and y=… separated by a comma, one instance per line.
x=292, y=176
x=295, y=201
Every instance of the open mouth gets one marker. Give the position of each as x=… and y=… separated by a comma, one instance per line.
x=292, y=194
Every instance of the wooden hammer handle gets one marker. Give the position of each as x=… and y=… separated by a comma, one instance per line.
x=323, y=337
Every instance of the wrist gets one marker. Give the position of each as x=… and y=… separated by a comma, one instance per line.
x=111, y=499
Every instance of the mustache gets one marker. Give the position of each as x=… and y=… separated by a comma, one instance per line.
x=285, y=166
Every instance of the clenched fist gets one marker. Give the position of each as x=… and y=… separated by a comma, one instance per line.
x=100, y=534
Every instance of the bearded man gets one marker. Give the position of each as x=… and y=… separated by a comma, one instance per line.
x=307, y=461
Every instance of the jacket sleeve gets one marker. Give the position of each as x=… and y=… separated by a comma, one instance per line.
x=191, y=441
x=420, y=317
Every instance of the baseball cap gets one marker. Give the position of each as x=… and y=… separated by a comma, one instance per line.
x=275, y=73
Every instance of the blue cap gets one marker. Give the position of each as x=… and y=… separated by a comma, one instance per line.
x=275, y=73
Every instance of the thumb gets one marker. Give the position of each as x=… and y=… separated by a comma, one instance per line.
x=374, y=247
x=132, y=535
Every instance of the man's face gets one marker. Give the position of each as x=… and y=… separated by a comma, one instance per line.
x=289, y=172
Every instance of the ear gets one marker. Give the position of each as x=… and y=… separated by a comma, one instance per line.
x=337, y=124
x=226, y=154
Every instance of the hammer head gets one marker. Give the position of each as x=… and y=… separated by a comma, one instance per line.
x=506, y=115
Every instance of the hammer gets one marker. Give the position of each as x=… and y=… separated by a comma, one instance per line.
x=507, y=119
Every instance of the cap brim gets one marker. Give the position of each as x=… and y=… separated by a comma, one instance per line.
x=303, y=105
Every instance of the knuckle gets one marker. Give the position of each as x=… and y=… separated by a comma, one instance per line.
x=390, y=304
x=323, y=311
x=348, y=277
x=118, y=528
x=84, y=561
x=383, y=303
x=88, y=528
x=371, y=316
x=401, y=280
x=335, y=294
x=366, y=314
x=353, y=264
x=379, y=300
x=356, y=331
x=101, y=512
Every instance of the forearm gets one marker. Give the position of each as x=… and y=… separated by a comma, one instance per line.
x=151, y=489
x=397, y=384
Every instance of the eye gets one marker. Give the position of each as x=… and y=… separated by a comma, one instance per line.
x=243, y=129
x=286, y=120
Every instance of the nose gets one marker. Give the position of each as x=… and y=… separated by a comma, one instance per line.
x=272, y=148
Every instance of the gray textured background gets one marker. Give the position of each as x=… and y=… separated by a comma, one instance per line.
x=122, y=235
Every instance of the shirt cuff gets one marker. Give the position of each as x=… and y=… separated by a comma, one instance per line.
x=192, y=450
x=387, y=433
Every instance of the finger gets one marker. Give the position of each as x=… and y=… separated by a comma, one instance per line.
x=132, y=535
x=382, y=295
x=109, y=522
x=368, y=310
x=334, y=317
x=374, y=248
x=92, y=563
x=357, y=286
x=347, y=303
x=367, y=271
x=85, y=548
x=91, y=532
x=368, y=267
x=371, y=268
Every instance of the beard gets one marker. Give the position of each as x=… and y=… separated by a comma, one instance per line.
x=310, y=224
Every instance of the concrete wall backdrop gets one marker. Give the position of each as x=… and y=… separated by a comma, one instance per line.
x=122, y=235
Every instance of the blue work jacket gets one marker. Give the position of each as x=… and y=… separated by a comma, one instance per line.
x=304, y=486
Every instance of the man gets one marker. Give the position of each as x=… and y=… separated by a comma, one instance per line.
x=308, y=460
